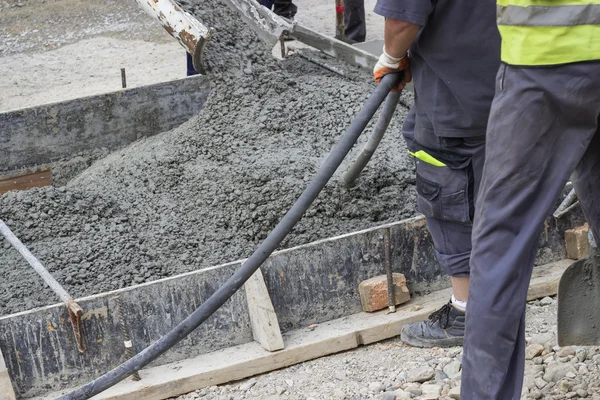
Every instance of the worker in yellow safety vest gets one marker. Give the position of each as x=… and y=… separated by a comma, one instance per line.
x=544, y=125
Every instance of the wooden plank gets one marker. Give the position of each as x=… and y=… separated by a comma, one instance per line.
x=334, y=336
x=25, y=181
x=265, y=327
x=545, y=279
x=7, y=391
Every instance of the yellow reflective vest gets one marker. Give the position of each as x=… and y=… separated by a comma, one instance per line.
x=549, y=32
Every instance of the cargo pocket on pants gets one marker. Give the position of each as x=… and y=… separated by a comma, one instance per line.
x=445, y=193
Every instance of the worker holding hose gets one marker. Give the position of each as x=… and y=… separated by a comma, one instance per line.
x=544, y=125
x=451, y=49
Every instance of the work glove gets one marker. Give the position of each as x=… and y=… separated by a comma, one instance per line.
x=389, y=65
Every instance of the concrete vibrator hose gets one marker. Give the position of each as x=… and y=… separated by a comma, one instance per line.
x=233, y=284
x=389, y=107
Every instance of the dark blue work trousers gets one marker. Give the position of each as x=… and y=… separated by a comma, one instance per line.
x=543, y=127
x=355, y=24
x=446, y=195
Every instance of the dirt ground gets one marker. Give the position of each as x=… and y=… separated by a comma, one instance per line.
x=55, y=50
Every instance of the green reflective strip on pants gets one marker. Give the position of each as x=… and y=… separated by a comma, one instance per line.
x=585, y=14
x=526, y=3
x=549, y=45
x=429, y=159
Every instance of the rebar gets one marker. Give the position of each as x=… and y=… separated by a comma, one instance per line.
x=387, y=245
x=126, y=336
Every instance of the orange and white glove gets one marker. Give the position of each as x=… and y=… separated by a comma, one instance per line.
x=389, y=65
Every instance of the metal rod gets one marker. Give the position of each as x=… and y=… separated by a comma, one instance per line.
x=564, y=206
x=339, y=20
x=123, y=78
x=37, y=266
x=319, y=63
x=75, y=311
x=282, y=43
x=126, y=336
x=387, y=245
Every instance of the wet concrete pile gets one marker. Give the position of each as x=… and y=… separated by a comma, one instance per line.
x=210, y=190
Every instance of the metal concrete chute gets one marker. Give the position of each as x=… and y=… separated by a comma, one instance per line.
x=266, y=24
x=184, y=27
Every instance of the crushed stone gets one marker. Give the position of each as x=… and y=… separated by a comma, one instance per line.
x=383, y=371
x=208, y=191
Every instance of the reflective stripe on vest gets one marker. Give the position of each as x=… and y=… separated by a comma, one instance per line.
x=549, y=32
x=586, y=14
x=425, y=157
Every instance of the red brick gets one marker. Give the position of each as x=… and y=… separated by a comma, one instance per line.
x=374, y=292
x=577, y=243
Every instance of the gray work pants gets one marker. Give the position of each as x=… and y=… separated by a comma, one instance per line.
x=447, y=195
x=355, y=25
x=544, y=125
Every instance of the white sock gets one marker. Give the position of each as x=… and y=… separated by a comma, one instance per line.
x=462, y=305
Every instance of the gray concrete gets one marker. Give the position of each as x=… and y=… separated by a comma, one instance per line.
x=307, y=284
x=40, y=135
x=373, y=47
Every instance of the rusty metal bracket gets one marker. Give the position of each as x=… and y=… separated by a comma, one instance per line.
x=75, y=314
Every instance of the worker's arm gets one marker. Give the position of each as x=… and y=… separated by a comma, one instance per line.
x=398, y=37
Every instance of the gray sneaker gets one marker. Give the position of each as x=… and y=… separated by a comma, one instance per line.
x=444, y=328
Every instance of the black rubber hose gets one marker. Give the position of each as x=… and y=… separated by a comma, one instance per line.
x=263, y=251
x=385, y=117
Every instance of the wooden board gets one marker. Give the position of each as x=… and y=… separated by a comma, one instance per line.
x=334, y=336
x=544, y=281
x=265, y=327
x=7, y=391
x=25, y=181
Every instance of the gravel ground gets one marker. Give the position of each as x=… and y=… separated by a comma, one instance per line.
x=56, y=50
x=210, y=190
x=391, y=370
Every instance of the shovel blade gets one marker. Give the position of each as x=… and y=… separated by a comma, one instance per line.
x=579, y=303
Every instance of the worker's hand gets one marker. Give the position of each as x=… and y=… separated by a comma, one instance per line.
x=389, y=65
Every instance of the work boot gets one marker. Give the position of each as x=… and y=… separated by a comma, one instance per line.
x=444, y=328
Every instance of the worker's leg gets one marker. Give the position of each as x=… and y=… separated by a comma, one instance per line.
x=190, y=65
x=446, y=196
x=587, y=184
x=541, y=124
x=355, y=25
x=266, y=3
x=285, y=8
